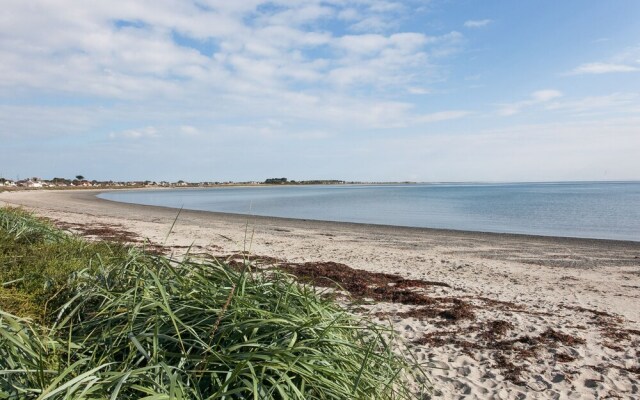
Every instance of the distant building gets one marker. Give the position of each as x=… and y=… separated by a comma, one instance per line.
x=31, y=183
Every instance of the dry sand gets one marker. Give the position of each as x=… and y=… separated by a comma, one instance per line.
x=502, y=316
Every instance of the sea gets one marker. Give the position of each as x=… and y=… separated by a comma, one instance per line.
x=600, y=210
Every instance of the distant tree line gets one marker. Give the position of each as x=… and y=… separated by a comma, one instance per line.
x=285, y=181
x=275, y=181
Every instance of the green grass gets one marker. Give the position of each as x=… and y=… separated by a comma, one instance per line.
x=82, y=320
x=37, y=260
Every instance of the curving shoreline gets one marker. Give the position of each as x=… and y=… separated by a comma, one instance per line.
x=564, y=214
x=546, y=288
x=85, y=197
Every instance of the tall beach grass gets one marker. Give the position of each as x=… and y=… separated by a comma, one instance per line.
x=95, y=320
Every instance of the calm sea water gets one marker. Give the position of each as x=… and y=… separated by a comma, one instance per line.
x=588, y=210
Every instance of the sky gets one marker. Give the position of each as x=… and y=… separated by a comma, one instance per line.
x=361, y=90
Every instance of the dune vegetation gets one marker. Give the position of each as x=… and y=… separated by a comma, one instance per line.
x=97, y=320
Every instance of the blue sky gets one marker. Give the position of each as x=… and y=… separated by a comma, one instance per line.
x=369, y=90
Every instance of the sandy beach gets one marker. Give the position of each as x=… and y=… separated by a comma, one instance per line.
x=497, y=316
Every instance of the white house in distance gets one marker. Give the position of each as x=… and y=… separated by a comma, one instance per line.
x=31, y=183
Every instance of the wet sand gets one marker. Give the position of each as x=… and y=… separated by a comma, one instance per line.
x=511, y=316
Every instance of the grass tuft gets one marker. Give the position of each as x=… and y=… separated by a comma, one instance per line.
x=38, y=263
x=115, y=323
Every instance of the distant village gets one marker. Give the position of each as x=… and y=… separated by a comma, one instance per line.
x=80, y=182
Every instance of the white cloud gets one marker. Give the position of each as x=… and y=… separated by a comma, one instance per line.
x=536, y=98
x=442, y=116
x=603, y=68
x=226, y=64
x=477, y=23
x=349, y=14
x=88, y=49
x=362, y=44
x=545, y=95
x=373, y=24
x=389, y=61
x=188, y=130
x=300, y=15
x=619, y=102
x=418, y=90
x=141, y=133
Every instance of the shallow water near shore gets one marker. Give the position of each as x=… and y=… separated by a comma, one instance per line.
x=601, y=210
